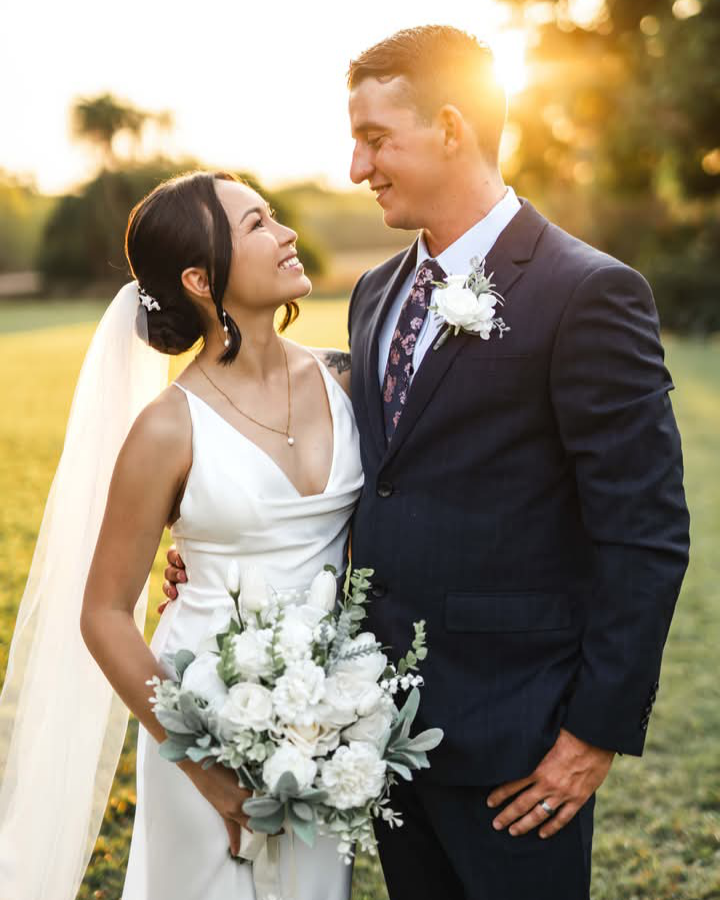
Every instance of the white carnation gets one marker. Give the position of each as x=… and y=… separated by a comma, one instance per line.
x=300, y=688
x=294, y=639
x=251, y=653
x=288, y=758
x=354, y=775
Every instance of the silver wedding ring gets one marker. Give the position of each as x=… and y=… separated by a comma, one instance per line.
x=545, y=805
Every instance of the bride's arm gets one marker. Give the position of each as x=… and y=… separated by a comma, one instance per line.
x=149, y=474
x=338, y=363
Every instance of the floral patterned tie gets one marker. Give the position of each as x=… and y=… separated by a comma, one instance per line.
x=399, y=369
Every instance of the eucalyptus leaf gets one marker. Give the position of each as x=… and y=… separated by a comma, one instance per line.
x=209, y=762
x=182, y=660
x=313, y=795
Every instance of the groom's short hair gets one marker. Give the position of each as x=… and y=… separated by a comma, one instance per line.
x=441, y=64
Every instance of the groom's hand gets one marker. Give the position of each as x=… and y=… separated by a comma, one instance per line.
x=174, y=574
x=568, y=775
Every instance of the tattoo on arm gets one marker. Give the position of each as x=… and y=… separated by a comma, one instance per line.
x=339, y=361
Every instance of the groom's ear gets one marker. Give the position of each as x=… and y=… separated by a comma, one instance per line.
x=196, y=283
x=454, y=130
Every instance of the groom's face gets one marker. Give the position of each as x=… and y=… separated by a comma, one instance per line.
x=398, y=154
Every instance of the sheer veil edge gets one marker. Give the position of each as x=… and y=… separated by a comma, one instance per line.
x=62, y=726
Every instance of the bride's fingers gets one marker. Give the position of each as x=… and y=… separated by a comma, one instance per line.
x=233, y=830
x=169, y=590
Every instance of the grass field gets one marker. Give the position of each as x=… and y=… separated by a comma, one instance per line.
x=658, y=821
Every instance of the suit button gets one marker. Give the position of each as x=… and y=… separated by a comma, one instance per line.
x=384, y=489
x=378, y=591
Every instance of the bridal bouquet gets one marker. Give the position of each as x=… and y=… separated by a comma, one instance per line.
x=302, y=705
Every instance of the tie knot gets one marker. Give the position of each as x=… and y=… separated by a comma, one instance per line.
x=429, y=271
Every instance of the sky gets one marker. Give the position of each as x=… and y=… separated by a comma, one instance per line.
x=254, y=86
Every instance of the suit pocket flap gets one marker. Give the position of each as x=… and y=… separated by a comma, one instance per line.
x=513, y=611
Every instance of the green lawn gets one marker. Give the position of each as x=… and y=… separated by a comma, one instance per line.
x=658, y=822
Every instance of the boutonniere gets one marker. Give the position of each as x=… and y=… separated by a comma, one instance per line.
x=467, y=303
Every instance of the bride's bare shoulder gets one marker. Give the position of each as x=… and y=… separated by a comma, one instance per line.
x=163, y=429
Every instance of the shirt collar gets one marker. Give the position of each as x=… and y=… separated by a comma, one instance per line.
x=477, y=240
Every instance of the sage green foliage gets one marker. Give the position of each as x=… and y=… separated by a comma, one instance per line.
x=657, y=834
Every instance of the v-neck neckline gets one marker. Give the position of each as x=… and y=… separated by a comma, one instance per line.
x=263, y=453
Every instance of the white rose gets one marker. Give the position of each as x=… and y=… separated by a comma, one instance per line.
x=458, y=305
x=353, y=775
x=253, y=591
x=288, y=758
x=372, y=729
x=251, y=653
x=485, y=314
x=323, y=591
x=313, y=740
x=247, y=706
x=301, y=687
x=346, y=694
x=369, y=666
x=308, y=615
x=201, y=677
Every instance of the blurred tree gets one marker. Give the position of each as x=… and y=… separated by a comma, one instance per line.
x=99, y=120
x=618, y=136
x=23, y=213
x=83, y=239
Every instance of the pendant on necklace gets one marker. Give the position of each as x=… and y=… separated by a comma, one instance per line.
x=291, y=441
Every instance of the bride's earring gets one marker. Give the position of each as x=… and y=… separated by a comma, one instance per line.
x=226, y=329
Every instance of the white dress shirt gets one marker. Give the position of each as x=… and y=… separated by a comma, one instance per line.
x=455, y=260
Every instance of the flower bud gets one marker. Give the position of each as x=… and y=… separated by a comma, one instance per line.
x=323, y=591
x=253, y=590
x=232, y=582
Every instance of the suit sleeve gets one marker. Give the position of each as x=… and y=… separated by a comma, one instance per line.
x=609, y=389
x=355, y=292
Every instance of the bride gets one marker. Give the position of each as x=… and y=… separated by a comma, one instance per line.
x=250, y=455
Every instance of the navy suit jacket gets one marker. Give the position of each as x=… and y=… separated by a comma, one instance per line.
x=529, y=507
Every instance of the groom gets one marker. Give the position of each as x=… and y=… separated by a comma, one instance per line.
x=523, y=494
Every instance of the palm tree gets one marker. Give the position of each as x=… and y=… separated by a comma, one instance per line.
x=97, y=120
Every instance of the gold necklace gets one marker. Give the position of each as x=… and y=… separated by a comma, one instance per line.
x=286, y=431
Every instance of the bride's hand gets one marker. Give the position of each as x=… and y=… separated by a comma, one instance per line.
x=219, y=786
x=174, y=574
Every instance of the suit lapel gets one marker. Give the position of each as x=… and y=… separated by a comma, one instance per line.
x=373, y=397
x=515, y=244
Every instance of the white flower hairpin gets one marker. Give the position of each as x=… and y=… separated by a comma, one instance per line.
x=467, y=303
x=148, y=301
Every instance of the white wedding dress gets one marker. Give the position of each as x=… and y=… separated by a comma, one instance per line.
x=238, y=505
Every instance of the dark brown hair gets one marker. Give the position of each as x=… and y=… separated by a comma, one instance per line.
x=181, y=224
x=442, y=65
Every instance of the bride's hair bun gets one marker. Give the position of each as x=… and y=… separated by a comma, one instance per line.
x=181, y=224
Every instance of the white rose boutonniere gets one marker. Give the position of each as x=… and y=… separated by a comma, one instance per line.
x=467, y=303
